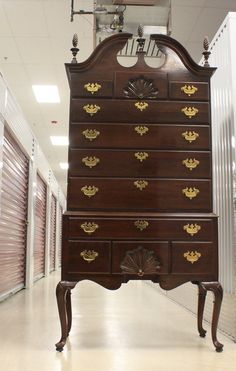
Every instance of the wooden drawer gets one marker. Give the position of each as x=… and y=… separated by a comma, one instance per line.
x=144, y=163
x=140, y=136
x=188, y=229
x=88, y=257
x=92, y=88
x=189, y=90
x=139, y=194
x=194, y=257
x=140, y=258
x=131, y=85
x=90, y=110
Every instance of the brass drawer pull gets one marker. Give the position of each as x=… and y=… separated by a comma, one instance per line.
x=91, y=134
x=89, y=255
x=90, y=161
x=190, y=192
x=141, y=184
x=89, y=227
x=192, y=229
x=141, y=224
x=89, y=190
x=92, y=87
x=192, y=256
x=91, y=109
x=190, y=163
x=141, y=156
x=190, y=136
x=141, y=105
x=189, y=111
x=189, y=89
x=141, y=130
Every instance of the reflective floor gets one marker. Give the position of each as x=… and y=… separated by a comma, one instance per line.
x=132, y=329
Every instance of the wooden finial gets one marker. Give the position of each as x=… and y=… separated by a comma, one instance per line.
x=74, y=50
x=140, y=40
x=206, y=53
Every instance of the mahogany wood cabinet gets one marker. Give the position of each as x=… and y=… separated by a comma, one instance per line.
x=139, y=178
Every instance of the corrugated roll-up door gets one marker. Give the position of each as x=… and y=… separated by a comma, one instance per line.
x=40, y=228
x=60, y=237
x=53, y=234
x=13, y=216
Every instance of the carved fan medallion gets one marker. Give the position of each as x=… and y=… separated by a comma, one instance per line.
x=140, y=261
x=141, y=88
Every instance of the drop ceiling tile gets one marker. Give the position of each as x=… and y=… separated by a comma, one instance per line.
x=183, y=20
x=60, y=24
x=34, y=50
x=205, y=27
x=8, y=51
x=14, y=73
x=5, y=29
x=26, y=18
x=198, y=3
x=195, y=50
x=41, y=74
x=230, y=5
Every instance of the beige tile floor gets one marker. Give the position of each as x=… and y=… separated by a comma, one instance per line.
x=132, y=329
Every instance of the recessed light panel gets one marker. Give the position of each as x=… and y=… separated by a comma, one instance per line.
x=64, y=165
x=59, y=140
x=46, y=93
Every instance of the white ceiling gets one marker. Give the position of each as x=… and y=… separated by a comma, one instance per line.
x=35, y=42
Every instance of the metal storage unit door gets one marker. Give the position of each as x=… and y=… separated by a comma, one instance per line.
x=60, y=236
x=40, y=228
x=13, y=216
x=53, y=234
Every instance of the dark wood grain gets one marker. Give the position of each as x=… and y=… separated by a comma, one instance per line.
x=126, y=136
x=202, y=92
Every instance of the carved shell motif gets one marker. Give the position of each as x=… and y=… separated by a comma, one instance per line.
x=140, y=88
x=140, y=261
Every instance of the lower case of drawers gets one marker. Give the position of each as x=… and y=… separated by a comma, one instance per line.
x=139, y=259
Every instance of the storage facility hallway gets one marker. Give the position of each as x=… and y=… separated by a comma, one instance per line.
x=135, y=328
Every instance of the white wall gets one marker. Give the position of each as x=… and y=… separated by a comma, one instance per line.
x=223, y=94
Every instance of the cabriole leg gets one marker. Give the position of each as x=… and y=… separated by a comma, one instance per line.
x=64, y=309
x=201, y=304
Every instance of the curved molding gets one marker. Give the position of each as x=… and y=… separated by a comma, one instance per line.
x=183, y=54
x=112, y=44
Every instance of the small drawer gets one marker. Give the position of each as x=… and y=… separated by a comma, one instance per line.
x=195, y=257
x=148, y=111
x=92, y=88
x=141, y=85
x=145, y=163
x=189, y=90
x=139, y=136
x=140, y=258
x=88, y=257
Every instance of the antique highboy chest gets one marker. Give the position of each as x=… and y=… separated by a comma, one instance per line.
x=139, y=178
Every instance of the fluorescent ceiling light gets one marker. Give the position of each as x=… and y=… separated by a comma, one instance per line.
x=64, y=165
x=59, y=140
x=46, y=93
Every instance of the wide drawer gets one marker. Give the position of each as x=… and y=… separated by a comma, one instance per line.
x=136, y=194
x=140, y=258
x=189, y=90
x=139, y=163
x=191, y=229
x=194, y=257
x=92, y=110
x=139, y=136
x=88, y=257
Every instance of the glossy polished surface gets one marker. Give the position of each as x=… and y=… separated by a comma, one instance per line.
x=133, y=329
